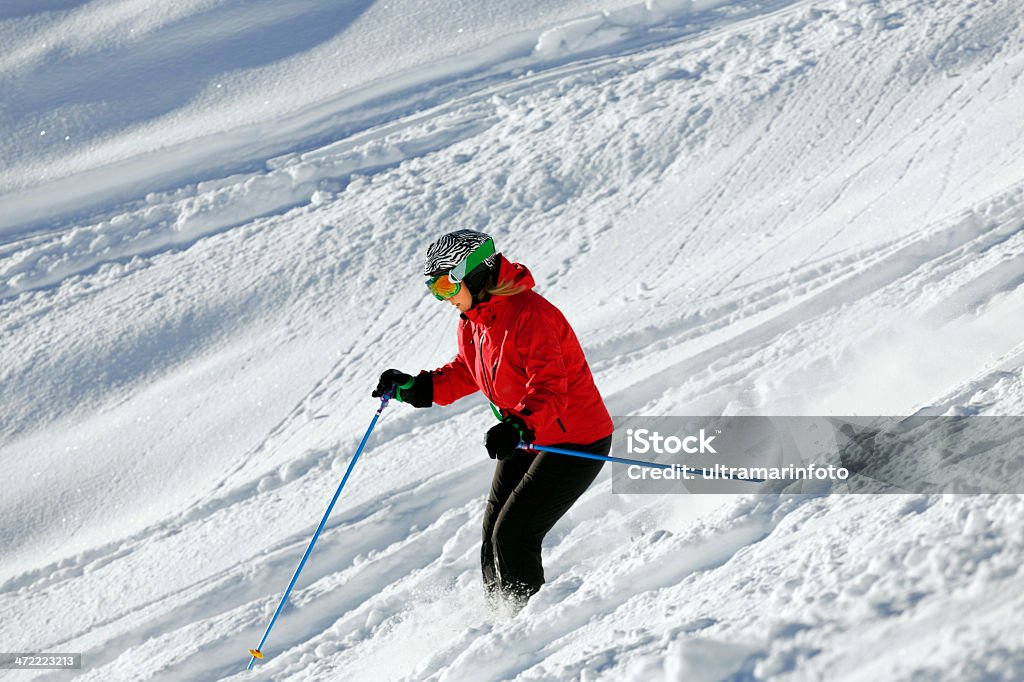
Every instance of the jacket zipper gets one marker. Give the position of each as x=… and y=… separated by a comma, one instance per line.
x=488, y=388
x=483, y=369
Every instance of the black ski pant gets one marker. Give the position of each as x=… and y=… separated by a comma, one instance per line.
x=529, y=493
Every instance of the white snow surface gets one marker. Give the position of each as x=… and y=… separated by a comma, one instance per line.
x=213, y=218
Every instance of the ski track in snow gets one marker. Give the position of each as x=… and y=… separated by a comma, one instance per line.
x=758, y=227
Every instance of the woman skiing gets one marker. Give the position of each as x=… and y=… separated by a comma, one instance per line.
x=519, y=350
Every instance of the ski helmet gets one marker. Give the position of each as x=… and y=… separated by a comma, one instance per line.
x=455, y=249
x=467, y=255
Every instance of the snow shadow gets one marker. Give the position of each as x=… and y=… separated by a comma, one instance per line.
x=143, y=76
x=17, y=9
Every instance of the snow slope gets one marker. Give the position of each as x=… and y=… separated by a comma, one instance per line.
x=766, y=208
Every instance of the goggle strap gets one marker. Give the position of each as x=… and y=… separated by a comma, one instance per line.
x=472, y=260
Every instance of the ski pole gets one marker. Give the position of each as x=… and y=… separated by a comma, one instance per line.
x=258, y=651
x=626, y=460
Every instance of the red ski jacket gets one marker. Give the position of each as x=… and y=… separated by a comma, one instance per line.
x=521, y=352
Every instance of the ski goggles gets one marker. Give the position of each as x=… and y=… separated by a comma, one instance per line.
x=442, y=286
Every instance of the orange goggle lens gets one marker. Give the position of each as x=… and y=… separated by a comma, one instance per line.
x=442, y=287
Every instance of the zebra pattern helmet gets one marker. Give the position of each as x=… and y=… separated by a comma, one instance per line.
x=460, y=252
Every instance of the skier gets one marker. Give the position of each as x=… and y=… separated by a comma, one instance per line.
x=519, y=350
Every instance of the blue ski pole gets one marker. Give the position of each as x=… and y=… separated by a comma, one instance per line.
x=258, y=651
x=626, y=460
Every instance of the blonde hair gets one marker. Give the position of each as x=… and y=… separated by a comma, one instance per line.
x=505, y=289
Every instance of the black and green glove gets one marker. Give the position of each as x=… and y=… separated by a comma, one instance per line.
x=502, y=439
x=417, y=390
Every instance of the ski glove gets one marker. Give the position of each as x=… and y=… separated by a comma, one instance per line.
x=502, y=439
x=417, y=390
